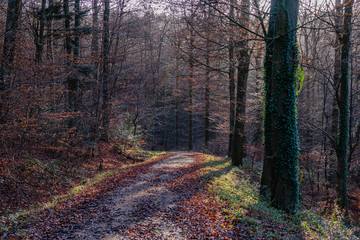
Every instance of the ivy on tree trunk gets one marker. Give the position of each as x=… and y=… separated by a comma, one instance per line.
x=280, y=174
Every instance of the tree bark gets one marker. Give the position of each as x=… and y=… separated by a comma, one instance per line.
x=207, y=81
x=71, y=85
x=8, y=54
x=49, y=52
x=67, y=30
x=231, y=78
x=281, y=138
x=239, y=142
x=95, y=30
x=177, y=107
x=344, y=113
x=77, y=30
x=40, y=35
x=12, y=20
x=95, y=70
x=207, y=103
x=105, y=71
x=337, y=75
x=191, y=81
x=77, y=97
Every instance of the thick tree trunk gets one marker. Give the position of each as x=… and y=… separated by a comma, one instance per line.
x=281, y=138
x=239, y=142
x=344, y=113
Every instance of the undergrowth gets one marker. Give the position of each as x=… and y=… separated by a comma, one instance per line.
x=234, y=188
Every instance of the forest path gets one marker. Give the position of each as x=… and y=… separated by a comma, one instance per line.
x=142, y=209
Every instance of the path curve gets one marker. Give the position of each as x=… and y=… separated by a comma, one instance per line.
x=147, y=200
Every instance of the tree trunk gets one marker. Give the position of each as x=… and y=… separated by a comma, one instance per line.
x=95, y=70
x=281, y=138
x=6, y=68
x=207, y=102
x=12, y=19
x=344, y=113
x=67, y=30
x=105, y=71
x=207, y=82
x=177, y=122
x=40, y=35
x=95, y=30
x=77, y=30
x=191, y=82
x=49, y=52
x=337, y=75
x=231, y=78
x=190, y=96
x=71, y=84
x=77, y=97
x=239, y=142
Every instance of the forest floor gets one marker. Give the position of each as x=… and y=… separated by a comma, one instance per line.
x=173, y=196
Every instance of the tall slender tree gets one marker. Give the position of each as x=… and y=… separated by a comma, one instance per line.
x=243, y=55
x=12, y=22
x=39, y=38
x=191, y=75
x=231, y=76
x=344, y=107
x=208, y=14
x=105, y=70
x=336, y=83
x=49, y=52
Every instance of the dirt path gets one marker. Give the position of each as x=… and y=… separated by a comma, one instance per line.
x=144, y=203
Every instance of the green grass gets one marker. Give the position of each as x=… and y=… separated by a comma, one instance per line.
x=233, y=188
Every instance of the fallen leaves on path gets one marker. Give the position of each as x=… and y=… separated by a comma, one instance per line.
x=164, y=198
